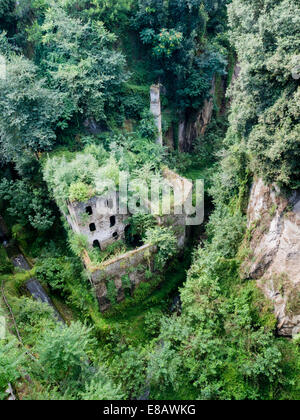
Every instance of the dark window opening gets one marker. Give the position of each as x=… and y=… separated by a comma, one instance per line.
x=89, y=210
x=110, y=203
x=92, y=227
x=96, y=244
x=112, y=221
x=131, y=238
x=116, y=236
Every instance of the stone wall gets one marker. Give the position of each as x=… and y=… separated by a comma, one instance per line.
x=98, y=220
x=155, y=108
x=97, y=214
x=132, y=264
x=274, y=260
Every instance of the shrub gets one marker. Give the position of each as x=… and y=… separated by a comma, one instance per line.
x=112, y=292
x=79, y=191
x=166, y=242
x=78, y=243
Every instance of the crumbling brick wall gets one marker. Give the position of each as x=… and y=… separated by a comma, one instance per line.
x=132, y=264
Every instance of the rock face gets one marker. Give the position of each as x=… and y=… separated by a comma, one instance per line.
x=274, y=260
x=194, y=125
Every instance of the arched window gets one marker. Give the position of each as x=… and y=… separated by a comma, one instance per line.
x=92, y=227
x=96, y=244
x=112, y=221
x=110, y=203
x=89, y=210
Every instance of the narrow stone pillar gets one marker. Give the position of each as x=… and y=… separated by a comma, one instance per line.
x=155, y=108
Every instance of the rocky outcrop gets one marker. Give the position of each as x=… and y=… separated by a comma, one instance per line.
x=274, y=254
x=236, y=72
x=194, y=125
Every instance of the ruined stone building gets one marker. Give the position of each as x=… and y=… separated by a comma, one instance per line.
x=99, y=220
x=155, y=108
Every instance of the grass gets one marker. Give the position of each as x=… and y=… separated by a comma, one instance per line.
x=65, y=311
x=130, y=322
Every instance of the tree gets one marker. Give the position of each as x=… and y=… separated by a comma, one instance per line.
x=101, y=388
x=28, y=205
x=7, y=16
x=30, y=111
x=173, y=31
x=265, y=109
x=109, y=11
x=166, y=242
x=79, y=61
x=10, y=362
x=64, y=352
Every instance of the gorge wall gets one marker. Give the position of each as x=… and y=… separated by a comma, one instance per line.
x=274, y=254
x=194, y=124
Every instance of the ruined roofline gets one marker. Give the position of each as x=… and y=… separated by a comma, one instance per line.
x=176, y=180
x=126, y=256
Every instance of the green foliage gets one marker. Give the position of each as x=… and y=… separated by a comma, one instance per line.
x=30, y=111
x=112, y=251
x=140, y=223
x=227, y=231
x=101, y=389
x=54, y=272
x=166, y=242
x=33, y=319
x=265, y=108
x=129, y=369
x=152, y=321
x=6, y=7
x=165, y=43
x=64, y=351
x=10, y=362
x=78, y=243
x=108, y=11
x=112, y=292
x=27, y=204
x=220, y=344
x=133, y=152
x=174, y=33
x=80, y=191
x=79, y=61
x=136, y=99
x=60, y=172
x=6, y=266
x=126, y=283
x=147, y=128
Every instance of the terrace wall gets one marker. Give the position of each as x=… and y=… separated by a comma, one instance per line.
x=133, y=264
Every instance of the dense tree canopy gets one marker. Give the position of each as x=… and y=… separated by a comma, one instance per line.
x=265, y=111
x=184, y=61
x=30, y=110
x=78, y=59
x=74, y=115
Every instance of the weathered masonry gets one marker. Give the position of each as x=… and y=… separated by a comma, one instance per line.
x=99, y=220
x=131, y=266
x=155, y=108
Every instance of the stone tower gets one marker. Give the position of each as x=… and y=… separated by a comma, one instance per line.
x=155, y=108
